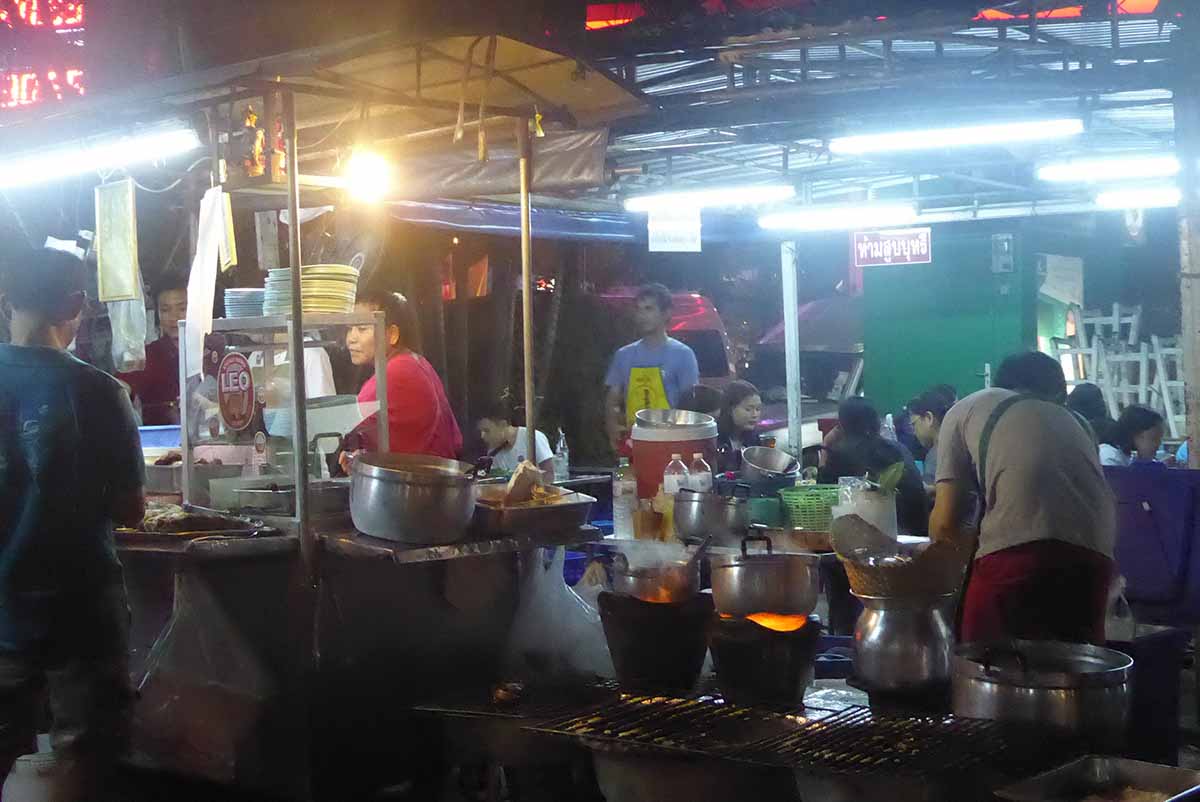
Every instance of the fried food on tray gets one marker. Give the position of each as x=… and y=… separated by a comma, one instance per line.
x=525, y=479
x=1128, y=794
x=170, y=458
x=171, y=518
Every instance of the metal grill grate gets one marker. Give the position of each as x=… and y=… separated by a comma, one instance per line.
x=699, y=725
x=858, y=741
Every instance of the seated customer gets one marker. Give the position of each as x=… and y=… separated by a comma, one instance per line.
x=508, y=445
x=926, y=412
x=737, y=426
x=1135, y=437
x=859, y=450
x=1087, y=401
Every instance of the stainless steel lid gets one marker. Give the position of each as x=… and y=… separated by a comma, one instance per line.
x=413, y=469
x=1042, y=664
x=671, y=418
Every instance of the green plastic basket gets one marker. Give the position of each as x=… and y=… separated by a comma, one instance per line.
x=810, y=507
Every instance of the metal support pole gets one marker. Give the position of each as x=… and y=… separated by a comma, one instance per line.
x=526, y=149
x=791, y=340
x=308, y=541
x=1187, y=140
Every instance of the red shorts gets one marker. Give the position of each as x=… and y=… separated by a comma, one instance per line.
x=1045, y=590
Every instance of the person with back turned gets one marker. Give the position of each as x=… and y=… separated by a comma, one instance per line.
x=1043, y=563
x=70, y=470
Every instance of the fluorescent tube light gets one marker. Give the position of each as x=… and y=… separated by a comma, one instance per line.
x=745, y=195
x=937, y=138
x=1164, y=197
x=96, y=154
x=1115, y=168
x=839, y=218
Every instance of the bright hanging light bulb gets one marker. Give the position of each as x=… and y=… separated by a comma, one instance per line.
x=963, y=136
x=368, y=176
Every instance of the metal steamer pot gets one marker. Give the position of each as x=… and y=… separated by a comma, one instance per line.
x=412, y=498
x=726, y=518
x=667, y=582
x=1076, y=687
x=903, y=644
x=744, y=584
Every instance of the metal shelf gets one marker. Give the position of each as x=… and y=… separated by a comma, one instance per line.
x=280, y=322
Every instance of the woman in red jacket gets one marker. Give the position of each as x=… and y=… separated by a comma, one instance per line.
x=420, y=420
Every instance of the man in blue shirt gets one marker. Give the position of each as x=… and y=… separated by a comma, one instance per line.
x=652, y=373
x=70, y=469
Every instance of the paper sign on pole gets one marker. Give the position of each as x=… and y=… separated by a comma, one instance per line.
x=674, y=230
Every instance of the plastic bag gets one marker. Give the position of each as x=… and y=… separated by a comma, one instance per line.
x=1120, y=624
x=128, y=321
x=556, y=633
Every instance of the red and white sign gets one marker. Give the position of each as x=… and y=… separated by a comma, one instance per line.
x=235, y=392
x=900, y=246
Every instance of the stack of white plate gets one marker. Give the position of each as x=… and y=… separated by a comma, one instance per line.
x=325, y=289
x=244, y=302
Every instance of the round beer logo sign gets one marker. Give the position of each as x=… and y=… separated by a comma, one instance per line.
x=235, y=392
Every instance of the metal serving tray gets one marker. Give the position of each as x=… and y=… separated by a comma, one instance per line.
x=1094, y=774
x=543, y=519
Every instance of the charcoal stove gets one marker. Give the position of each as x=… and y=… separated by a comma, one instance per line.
x=765, y=658
x=656, y=646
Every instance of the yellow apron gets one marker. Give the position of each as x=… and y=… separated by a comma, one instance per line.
x=645, y=391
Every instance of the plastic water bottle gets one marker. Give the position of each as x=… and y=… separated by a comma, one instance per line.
x=675, y=477
x=700, y=477
x=624, y=483
x=562, y=459
x=888, y=429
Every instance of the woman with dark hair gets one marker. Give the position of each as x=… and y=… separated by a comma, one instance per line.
x=420, y=420
x=1087, y=401
x=1136, y=436
x=859, y=450
x=737, y=426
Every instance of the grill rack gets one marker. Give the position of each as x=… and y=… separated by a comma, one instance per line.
x=704, y=725
x=852, y=741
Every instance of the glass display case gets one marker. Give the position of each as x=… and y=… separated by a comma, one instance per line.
x=247, y=449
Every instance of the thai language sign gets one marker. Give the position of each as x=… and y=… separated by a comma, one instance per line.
x=900, y=246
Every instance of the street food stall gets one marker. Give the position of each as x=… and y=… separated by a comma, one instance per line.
x=281, y=647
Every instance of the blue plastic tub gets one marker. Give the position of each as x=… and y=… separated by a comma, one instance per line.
x=160, y=436
x=574, y=566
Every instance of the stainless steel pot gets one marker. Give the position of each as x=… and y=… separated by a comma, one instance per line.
x=698, y=515
x=744, y=584
x=412, y=498
x=762, y=464
x=667, y=582
x=1077, y=687
x=903, y=644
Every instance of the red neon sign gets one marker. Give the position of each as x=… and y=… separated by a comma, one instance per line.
x=1073, y=12
x=42, y=13
x=26, y=88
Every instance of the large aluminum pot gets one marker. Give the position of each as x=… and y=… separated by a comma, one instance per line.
x=667, y=582
x=412, y=498
x=698, y=515
x=1077, y=687
x=744, y=584
x=671, y=418
x=763, y=464
x=903, y=644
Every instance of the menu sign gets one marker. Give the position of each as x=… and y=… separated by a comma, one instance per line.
x=235, y=392
x=900, y=246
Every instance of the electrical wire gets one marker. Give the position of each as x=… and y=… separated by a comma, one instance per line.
x=329, y=136
x=168, y=187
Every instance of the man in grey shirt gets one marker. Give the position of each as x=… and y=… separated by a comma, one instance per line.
x=1044, y=558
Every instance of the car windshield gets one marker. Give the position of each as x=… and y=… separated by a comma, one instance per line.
x=709, y=349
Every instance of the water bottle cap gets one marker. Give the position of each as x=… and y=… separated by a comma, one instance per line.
x=677, y=456
x=697, y=456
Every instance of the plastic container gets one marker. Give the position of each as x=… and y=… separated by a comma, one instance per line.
x=700, y=476
x=160, y=436
x=676, y=476
x=654, y=445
